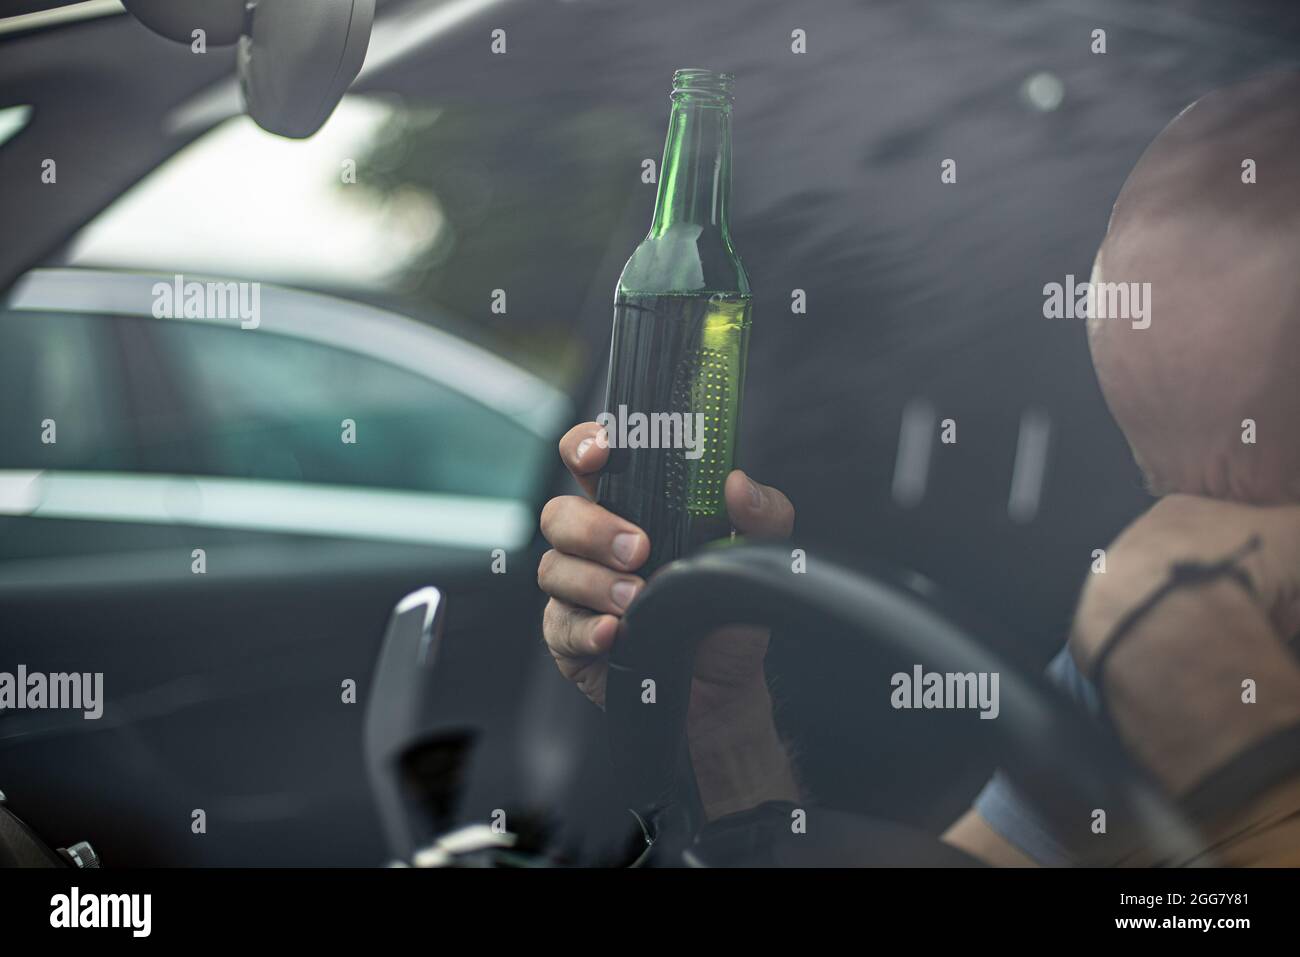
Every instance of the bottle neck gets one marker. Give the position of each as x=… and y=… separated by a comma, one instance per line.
x=695, y=177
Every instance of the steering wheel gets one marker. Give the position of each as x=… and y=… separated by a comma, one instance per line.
x=1055, y=756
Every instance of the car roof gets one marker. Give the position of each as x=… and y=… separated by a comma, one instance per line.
x=327, y=320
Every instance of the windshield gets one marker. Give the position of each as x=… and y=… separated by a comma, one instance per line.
x=259, y=394
x=389, y=203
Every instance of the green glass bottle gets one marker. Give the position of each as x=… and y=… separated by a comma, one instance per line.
x=681, y=329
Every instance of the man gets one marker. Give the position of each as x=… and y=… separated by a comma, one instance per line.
x=1189, y=636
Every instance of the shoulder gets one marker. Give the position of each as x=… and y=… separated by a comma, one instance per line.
x=1182, y=530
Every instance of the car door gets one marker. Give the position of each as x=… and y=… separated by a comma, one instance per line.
x=219, y=520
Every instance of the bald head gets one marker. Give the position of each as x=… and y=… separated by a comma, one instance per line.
x=1223, y=260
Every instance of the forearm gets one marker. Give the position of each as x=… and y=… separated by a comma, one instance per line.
x=972, y=834
x=1176, y=689
x=738, y=757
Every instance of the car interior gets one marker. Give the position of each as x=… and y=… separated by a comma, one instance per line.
x=333, y=650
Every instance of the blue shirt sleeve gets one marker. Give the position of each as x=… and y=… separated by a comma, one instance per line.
x=1007, y=810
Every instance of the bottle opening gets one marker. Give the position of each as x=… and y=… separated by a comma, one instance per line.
x=705, y=84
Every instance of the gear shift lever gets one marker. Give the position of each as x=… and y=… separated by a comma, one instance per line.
x=397, y=720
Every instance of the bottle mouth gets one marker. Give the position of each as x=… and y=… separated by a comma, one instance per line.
x=705, y=84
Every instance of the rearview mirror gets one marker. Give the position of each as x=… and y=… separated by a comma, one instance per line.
x=296, y=58
x=299, y=58
x=220, y=20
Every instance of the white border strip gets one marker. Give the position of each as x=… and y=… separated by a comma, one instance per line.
x=417, y=518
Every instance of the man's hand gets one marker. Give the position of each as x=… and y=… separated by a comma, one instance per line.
x=591, y=575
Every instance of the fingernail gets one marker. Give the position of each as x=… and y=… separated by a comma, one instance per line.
x=623, y=592
x=582, y=448
x=755, y=494
x=625, y=546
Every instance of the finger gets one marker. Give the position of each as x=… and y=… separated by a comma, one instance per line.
x=573, y=632
x=758, y=511
x=584, y=453
x=578, y=527
x=585, y=583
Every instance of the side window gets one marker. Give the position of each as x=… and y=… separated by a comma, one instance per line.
x=62, y=405
x=267, y=406
x=211, y=400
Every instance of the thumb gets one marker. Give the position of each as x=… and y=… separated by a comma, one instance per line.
x=758, y=511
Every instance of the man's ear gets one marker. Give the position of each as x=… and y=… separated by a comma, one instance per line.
x=1093, y=279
